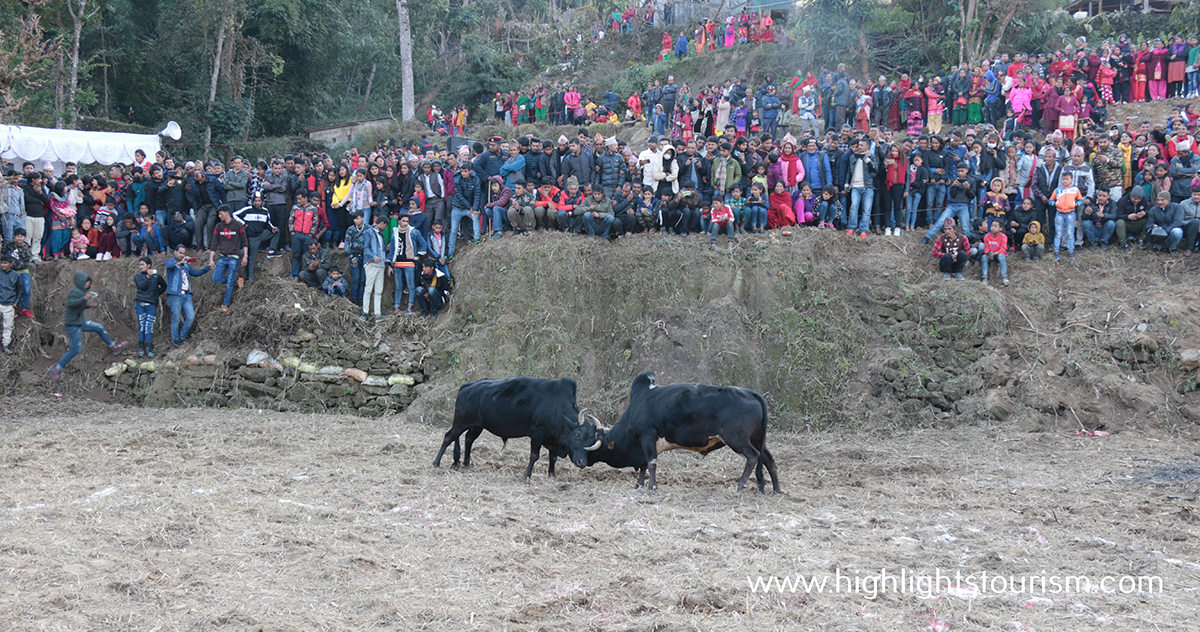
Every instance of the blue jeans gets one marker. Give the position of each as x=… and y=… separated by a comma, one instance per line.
x=1172, y=239
x=456, y=218
x=714, y=229
x=226, y=272
x=1099, y=234
x=825, y=212
x=160, y=215
x=861, y=199
x=405, y=278
x=914, y=206
x=75, y=335
x=957, y=209
x=602, y=226
x=1001, y=258
x=300, y=243
x=181, y=309
x=25, y=288
x=1064, y=228
x=146, y=314
x=358, y=280
x=756, y=215
x=499, y=214
x=935, y=198
x=1193, y=82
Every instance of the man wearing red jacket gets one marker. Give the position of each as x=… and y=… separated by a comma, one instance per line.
x=545, y=205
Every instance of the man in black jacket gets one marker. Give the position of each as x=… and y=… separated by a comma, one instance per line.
x=149, y=286
x=157, y=194
x=79, y=299
x=36, y=203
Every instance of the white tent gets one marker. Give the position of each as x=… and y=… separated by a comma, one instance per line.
x=40, y=145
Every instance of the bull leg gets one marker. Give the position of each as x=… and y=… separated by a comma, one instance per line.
x=535, y=448
x=769, y=459
x=451, y=437
x=641, y=476
x=472, y=435
x=553, y=457
x=650, y=453
x=751, y=461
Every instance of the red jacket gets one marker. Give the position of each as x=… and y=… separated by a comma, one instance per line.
x=897, y=170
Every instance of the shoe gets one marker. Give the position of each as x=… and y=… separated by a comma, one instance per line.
x=1037, y=257
x=1187, y=253
x=150, y=350
x=960, y=277
x=82, y=256
x=379, y=317
x=1057, y=256
x=1071, y=254
x=925, y=241
x=240, y=283
x=7, y=350
x=850, y=232
x=946, y=276
x=225, y=308
x=1027, y=257
x=141, y=350
x=1124, y=247
x=177, y=343
x=497, y=235
x=887, y=232
x=363, y=318
x=898, y=233
x=27, y=314
x=117, y=347
x=433, y=316
x=342, y=245
x=715, y=246
x=1004, y=281
x=409, y=312
x=1104, y=246
x=271, y=254
x=56, y=374
x=862, y=235
x=983, y=280
x=729, y=246
x=1092, y=247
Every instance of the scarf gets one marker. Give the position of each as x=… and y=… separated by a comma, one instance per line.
x=403, y=247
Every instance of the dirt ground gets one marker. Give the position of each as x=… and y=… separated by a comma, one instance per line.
x=141, y=519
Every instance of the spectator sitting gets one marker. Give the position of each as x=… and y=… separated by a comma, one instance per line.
x=316, y=266
x=432, y=289
x=1034, y=243
x=334, y=284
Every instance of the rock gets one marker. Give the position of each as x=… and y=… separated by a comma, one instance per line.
x=1189, y=359
x=300, y=393
x=116, y=369
x=256, y=356
x=1142, y=327
x=358, y=374
x=306, y=368
x=148, y=366
x=330, y=370
x=257, y=374
x=291, y=362
x=210, y=360
x=131, y=363
x=375, y=380
x=399, y=389
x=407, y=380
x=338, y=390
x=997, y=405
x=305, y=336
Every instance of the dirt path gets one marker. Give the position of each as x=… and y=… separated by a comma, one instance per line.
x=143, y=519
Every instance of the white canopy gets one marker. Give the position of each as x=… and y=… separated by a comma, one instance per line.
x=40, y=145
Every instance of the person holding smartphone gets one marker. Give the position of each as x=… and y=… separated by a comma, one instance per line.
x=80, y=299
x=149, y=287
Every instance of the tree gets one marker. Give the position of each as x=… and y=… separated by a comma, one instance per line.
x=22, y=60
x=984, y=22
x=407, y=102
x=79, y=15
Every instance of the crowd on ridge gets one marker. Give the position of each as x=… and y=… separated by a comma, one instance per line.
x=982, y=192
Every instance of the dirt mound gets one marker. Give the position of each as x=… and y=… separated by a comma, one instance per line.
x=833, y=331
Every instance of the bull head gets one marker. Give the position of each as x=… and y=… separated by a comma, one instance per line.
x=596, y=422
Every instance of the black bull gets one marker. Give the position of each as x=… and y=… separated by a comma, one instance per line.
x=697, y=417
x=543, y=410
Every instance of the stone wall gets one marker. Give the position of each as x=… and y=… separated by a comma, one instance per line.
x=310, y=372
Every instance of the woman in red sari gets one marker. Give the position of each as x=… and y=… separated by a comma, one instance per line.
x=1138, y=80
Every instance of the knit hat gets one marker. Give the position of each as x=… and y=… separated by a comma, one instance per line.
x=572, y=180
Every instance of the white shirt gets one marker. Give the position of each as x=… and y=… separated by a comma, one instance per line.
x=654, y=159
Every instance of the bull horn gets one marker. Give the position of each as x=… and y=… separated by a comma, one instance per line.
x=595, y=446
x=594, y=419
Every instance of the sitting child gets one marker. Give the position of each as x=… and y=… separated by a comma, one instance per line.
x=995, y=203
x=649, y=215
x=334, y=284
x=1034, y=243
x=721, y=217
x=995, y=248
x=737, y=206
x=79, y=245
x=829, y=208
x=754, y=217
x=805, y=205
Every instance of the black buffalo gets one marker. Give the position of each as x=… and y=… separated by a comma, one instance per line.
x=697, y=417
x=543, y=410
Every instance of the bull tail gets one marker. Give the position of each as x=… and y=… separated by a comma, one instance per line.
x=758, y=470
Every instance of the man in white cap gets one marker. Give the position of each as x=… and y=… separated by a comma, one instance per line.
x=806, y=108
